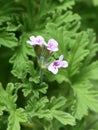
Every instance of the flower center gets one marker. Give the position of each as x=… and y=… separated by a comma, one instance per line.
x=56, y=63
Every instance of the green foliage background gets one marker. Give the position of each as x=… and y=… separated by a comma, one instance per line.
x=66, y=101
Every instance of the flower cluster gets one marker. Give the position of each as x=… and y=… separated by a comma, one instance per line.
x=51, y=46
x=39, y=40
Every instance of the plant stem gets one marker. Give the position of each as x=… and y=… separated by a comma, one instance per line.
x=41, y=75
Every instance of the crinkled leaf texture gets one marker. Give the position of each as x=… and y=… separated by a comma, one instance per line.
x=16, y=118
x=86, y=95
x=20, y=58
x=48, y=110
x=63, y=117
x=8, y=39
x=79, y=49
x=7, y=103
x=86, y=99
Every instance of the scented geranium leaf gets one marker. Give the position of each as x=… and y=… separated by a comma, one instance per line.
x=92, y=47
x=34, y=75
x=2, y=108
x=57, y=103
x=36, y=107
x=16, y=118
x=20, y=58
x=89, y=72
x=63, y=117
x=29, y=88
x=61, y=77
x=51, y=6
x=7, y=94
x=66, y=18
x=87, y=99
x=12, y=27
x=43, y=88
x=70, y=24
x=66, y=4
x=8, y=39
x=4, y=19
x=77, y=53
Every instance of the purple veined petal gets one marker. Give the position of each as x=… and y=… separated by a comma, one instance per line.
x=39, y=39
x=52, y=45
x=64, y=64
x=52, y=68
x=57, y=64
x=61, y=58
x=32, y=38
x=31, y=41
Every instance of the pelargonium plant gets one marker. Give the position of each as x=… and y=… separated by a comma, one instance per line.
x=48, y=67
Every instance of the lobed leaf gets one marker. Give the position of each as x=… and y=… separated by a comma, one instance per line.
x=86, y=99
x=20, y=58
x=8, y=40
x=16, y=118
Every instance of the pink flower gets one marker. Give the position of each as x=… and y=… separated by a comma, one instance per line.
x=52, y=45
x=38, y=40
x=54, y=66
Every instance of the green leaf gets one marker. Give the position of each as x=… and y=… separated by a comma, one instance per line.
x=34, y=75
x=16, y=118
x=57, y=103
x=20, y=58
x=4, y=19
x=86, y=98
x=77, y=53
x=63, y=117
x=27, y=88
x=43, y=88
x=36, y=107
x=40, y=89
x=7, y=94
x=87, y=73
x=95, y=2
x=8, y=39
x=93, y=47
x=2, y=108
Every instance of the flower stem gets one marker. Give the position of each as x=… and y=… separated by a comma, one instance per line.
x=41, y=75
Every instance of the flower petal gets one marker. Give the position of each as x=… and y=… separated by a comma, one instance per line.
x=61, y=58
x=32, y=38
x=64, y=64
x=29, y=42
x=52, y=45
x=52, y=68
